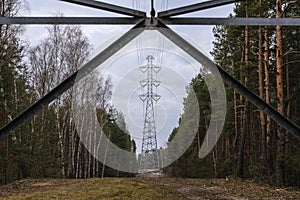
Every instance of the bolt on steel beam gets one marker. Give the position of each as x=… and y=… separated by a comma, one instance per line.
x=107, y=7
x=70, y=81
x=70, y=20
x=229, y=80
x=195, y=7
x=233, y=21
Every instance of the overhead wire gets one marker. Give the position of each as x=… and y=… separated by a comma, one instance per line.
x=167, y=4
x=144, y=5
x=133, y=4
x=160, y=51
x=139, y=49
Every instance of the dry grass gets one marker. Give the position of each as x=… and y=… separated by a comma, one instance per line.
x=228, y=189
x=86, y=189
x=141, y=188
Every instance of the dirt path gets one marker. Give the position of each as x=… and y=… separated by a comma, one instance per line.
x=143, y=188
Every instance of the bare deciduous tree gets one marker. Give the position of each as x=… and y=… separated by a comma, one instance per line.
x=59, y=55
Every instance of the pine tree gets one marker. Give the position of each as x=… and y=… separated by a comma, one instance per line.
x=13, y=88
x=265, y=60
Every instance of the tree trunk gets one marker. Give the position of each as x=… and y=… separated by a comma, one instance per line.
x=288, y=97
x=267, y=90
x=198, y=142
x=227, y=148
x=244, y=109
x=261, y=91
x=60, y=142
x=246, y=120
x=240, y=164
x=235, y=108
x=106, y=151
x=214, y=157
x=280, y=96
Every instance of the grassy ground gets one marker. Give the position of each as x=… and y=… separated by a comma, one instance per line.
x=137, y=188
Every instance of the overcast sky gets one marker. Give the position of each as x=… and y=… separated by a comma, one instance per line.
x=177, y=68
x=201, y=34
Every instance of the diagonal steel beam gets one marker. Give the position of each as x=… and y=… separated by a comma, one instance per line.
x=233, y=21
x=70, y=20
x=229, y=80
x=107, y=7
x=196, y=7
x=70, y=81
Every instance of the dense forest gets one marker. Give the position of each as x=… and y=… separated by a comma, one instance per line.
x=266, y=60
x=252, y=146
x=48, y=144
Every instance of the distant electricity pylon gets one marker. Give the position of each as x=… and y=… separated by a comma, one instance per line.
x=149, y=160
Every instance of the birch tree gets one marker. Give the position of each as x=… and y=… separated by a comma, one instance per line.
x=58, y=56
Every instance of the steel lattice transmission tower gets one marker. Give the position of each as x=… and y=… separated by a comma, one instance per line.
x=149, y=160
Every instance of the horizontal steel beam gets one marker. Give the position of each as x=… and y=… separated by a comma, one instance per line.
x=107, y=7
x=196, y=7
x=233, y=21
x=229, y=80
x=169, y=21
x=70, y=81
x=70, y=20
